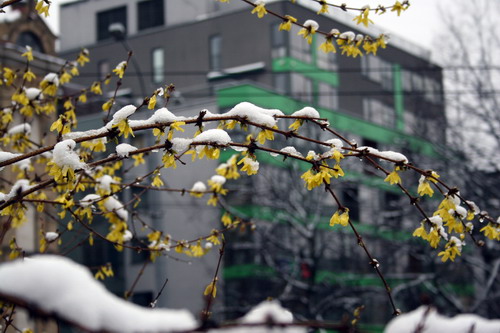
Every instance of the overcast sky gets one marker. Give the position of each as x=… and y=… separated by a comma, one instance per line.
x=419, y=24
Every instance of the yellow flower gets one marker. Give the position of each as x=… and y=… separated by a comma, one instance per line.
x=120, y=69
x=287, y=25
x=324, y=7
x=327, y=46
x=168, y=160
x=157, y=182
x=65, y=77
x=250, y=166
x=83, y=57
x=370, y=47
x=138, y=159
x=340, y=217
x=296, y=124
x=42, y=8
x=490, y=231
x=152, y=102
x=213, y=201
x=265, y=135
x=211, y=289
x=424, y=187
x=399, y=7
x=308, y=32
x=107, y=106
x=363, y=17
x=124, y=128
x=226, y=219
x=393, y=178
x=29, y=76
x=9, y=75
x=82, y=98
x=214, y=237
x=96, y=88
x=260, y=9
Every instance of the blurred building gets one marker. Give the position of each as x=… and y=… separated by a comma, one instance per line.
x=218, y=55
x=20, y=26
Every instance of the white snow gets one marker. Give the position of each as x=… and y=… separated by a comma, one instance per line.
x=5, y=155
x=113, y=204
x=123, y=149
x=218, y=179
x=371, y=150
x=311, y=24
x=59, y=285
x=127, y=236
x=89, y=199
x=121, y=114
x=52, y=77
x=392, y=155
x=435, y=323
x=199, y=187
x=163, y=115
x=104, y=183
x=216, y=136
x=254, y=114
x=180, y=145
x=51, y=236
x=291, y=150
x=21, y=128
x=33, y=93
x=267, y=311
x=19, y=186
x=349, y=35
x=92, y=132
x=64, y=155
x=335, y=143
x=308, y=112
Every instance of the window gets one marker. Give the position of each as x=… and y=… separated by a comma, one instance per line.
x=29, y=38
x=378, y=112
x=377, y=70
x=327, y=61
x=301, y=87
x=103, y=69
x=328, y=96
x=158, y=65
x=278, y=41
x=215, y=52
x=150, y=14
x=108, y=17
x=299, y=48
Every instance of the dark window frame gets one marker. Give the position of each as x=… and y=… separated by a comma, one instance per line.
x=150, y=14
x=107, y=17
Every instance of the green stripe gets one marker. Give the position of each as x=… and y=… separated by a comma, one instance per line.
x=287, y=64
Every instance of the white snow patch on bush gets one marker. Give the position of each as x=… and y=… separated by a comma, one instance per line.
x=308, y=112
x=123, y=149
x=64, y=155
x=180, y=145
x=199, y=187
x=59, y=285
x=291, y=150
x=33, y=93
x=114, y=205
x=21, y=128
x=254, y=114
x=433, y=322
x=216, y=136
x=51, y=236
x=89, y=200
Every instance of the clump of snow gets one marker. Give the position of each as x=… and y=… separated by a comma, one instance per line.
x=52, y=78
x=64, y=155
x=291, y=150
x=180, y=145
x=114, y=205
x=348, y=35
x=33, y=93
x=127, y=236
x=163, y=115
x=21, y=128
x=199, y=187
x=254, y=114
x=121, y=114
x=433, y=322
x=104, y=183
x=308, y=112
x=92, y=132
x=24, y=164
x=51, y=236
x=89, y=200
x=311, y=24
x=123, y=149
x=265, y=312
x=5, y=155
x=61, y=286
x=19, y=186
x=216, y=136
x=392, y=155
x=335, y=143
x=370, y=150
x=218, y=179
